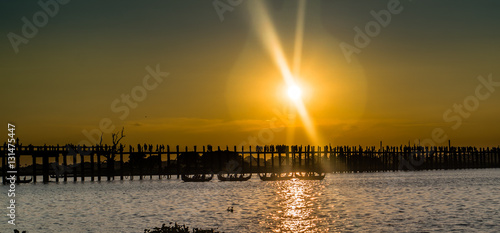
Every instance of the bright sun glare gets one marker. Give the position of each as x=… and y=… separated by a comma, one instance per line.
x=271, y=42
x=294, y=92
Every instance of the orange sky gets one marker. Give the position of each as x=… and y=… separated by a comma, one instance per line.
x=418, y=77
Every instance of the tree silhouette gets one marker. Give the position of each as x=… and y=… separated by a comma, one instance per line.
x=110, y=153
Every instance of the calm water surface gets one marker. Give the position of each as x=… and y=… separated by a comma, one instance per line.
x=427, y=201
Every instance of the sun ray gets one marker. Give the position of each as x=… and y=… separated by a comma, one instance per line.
x=299, y=37
x=268, y=37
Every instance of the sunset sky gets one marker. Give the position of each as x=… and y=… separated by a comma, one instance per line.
x=227, y=65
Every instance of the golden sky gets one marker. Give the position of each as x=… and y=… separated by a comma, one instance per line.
x=418, y=70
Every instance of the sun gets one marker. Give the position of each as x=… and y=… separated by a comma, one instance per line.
x=294, y=92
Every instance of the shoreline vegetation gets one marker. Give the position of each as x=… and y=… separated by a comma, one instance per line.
x=176, y=228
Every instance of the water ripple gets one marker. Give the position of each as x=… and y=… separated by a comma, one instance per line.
x=430, y=201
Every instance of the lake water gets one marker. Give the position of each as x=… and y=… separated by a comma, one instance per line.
x=425, y=201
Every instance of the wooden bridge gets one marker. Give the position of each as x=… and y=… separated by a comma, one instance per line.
x=70, y=162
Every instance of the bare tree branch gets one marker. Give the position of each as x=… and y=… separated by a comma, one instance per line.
x=100, y=141
x=117, y=139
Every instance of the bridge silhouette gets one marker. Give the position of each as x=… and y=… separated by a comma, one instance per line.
x=71, y=162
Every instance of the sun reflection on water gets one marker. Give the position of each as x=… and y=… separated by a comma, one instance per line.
x=298, y=207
